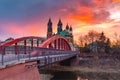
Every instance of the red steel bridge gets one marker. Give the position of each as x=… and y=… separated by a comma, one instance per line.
x=31, y=49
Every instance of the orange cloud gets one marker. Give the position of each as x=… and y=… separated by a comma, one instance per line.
x=115, y=1
x=82, y=13
x=90, y=16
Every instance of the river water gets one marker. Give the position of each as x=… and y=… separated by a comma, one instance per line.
x=62, y=75
x=78, y=75
x=66, y=75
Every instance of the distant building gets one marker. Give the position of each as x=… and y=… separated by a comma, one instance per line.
x=9, y=39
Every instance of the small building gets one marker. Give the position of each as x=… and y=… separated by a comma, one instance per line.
x=96, y=47
x=93, y=47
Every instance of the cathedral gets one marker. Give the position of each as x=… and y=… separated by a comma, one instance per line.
x=67, y=32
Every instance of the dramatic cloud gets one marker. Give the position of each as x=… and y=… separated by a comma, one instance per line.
x=28, y=17
x=90, y=12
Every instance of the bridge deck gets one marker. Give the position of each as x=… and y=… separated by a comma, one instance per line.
x=12, y=59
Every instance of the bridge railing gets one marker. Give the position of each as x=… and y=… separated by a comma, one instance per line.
x=10, y=54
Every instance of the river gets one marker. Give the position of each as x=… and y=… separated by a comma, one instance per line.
x=101, y=69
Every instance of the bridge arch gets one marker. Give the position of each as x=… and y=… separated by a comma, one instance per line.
x=56, y=42
x=30, y=41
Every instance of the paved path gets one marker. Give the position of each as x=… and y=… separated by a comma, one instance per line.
x=20, y=72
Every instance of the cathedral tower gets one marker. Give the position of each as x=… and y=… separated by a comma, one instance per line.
x=49, y=28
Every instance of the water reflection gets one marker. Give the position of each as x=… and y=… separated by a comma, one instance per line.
x=79, y=78
x=61, y=75
x=64, y=75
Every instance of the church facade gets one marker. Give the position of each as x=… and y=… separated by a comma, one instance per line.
x=67, y=32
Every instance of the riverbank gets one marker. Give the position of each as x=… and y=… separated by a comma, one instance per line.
x=92, y=69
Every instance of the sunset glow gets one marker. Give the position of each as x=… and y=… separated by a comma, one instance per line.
x=29, y=18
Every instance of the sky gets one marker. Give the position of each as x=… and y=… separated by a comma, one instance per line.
x=19, y=18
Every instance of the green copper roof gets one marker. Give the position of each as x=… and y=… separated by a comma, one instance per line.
x=63, y=33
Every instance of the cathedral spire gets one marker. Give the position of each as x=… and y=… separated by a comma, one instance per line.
x=59, y=28
x=49, y=22
x=60, y=22
x=67, y=27
x=70, y=28
x=71, y=32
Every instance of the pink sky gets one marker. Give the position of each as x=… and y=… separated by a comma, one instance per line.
x=83, y=15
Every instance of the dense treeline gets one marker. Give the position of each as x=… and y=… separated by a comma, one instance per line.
x=95, y=42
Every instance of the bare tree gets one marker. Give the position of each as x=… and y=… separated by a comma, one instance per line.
x=93, y=36
x=81, y=41
x=89, y=38
x=117, y=39
x=102, y=37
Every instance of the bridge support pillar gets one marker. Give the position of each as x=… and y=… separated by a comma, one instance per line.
x=16, y=48
x=37, y=42
x=50, y=45
x=32, y=44
x=59, y=44
x=24, y=46
x=66, y=47
x=68, y=62
x=62, y=44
